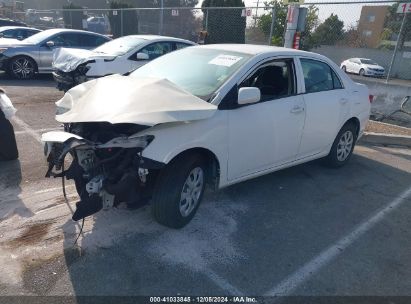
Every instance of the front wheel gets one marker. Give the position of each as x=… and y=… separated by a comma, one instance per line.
x=362, y=72
x=179, y=190
x=22, y=67
x=342, y=147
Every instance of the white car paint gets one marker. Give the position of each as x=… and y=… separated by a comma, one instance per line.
x=363, y=65
x=264, y=137
x=246, y=111
x=102, y=64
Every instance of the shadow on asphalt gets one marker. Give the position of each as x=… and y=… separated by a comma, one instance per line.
x=276, y=222
x=40, y=80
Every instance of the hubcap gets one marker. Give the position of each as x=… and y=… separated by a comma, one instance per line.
x=22, y=67
x=345, y=145
x=190, y=195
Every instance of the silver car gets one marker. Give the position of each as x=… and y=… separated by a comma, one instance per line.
x=23, y=59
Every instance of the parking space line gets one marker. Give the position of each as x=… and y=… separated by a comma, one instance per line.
x=222, y=283
x=288, y=285
x=27, y=128
x=53, y=189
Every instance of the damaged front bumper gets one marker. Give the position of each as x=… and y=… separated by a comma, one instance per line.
x=105, y=174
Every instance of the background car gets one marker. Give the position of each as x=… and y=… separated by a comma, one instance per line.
x=23, y=59
x=363, y=67
x=9, y=22
x=118, y=56
x=17, y=32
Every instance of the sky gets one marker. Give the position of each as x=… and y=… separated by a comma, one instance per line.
x=349, y=13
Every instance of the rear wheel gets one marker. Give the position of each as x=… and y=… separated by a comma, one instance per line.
x=343, y=146
x=22, y=67
x=179, y=190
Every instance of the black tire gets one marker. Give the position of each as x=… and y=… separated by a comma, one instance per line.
x=8, y=147
x=22, y=67
x=335, y=159
x=344, y=69
x=362, y=72
x=165, y=205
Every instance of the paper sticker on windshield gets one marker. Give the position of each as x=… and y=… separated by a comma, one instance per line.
x=225, y=60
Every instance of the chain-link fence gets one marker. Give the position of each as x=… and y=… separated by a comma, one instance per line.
x=338, y=30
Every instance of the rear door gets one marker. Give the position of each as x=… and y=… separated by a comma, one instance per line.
x=326, y=103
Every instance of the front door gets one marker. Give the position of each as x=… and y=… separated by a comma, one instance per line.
x=266, y=134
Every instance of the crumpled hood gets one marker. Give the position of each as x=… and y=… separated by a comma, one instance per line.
x=67, y=60
x=126, y=99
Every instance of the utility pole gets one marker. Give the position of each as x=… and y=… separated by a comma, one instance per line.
x=160, y=31
x=396, y=48
x=256, y=13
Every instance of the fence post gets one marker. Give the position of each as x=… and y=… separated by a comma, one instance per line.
x=270, y=39
x=206, y=21
x=396, y=49
x=160, y=30
x=71, y=20
x=121, y=22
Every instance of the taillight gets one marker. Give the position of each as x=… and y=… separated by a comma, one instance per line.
x=371, y=98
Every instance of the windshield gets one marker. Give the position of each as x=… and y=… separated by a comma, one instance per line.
x=39, y=37
x=199, y=71
x=120, y=46
x=368, y=61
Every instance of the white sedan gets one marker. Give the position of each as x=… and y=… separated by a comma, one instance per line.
x=214, y=114
x=119, y=56
x=363, y=67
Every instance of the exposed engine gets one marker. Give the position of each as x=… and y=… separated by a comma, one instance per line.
x=107, y=166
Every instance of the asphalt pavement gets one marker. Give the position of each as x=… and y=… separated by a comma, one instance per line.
x=307, y=230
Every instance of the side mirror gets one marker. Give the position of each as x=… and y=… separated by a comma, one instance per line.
x=20, y=38
x=248, y=95
x=50, y=44
x=142, y=56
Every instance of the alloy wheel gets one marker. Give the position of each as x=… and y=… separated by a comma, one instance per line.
x=345, y=145
x=22, y=68
x=191, y=193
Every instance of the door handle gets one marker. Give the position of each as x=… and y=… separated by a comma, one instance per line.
x=297, y=109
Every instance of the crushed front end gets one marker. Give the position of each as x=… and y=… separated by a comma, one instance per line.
x=67, y=80
x=106, y=164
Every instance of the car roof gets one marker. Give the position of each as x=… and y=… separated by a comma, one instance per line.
x=56, y=31
x=159, y=37
x=255, y=49
x=3, y=28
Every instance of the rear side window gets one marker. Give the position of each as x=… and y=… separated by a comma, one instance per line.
x=91, y=40
x=319, y=76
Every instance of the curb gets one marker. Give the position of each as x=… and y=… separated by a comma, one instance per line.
x=386, y=139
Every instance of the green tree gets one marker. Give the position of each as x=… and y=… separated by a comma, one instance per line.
x=224, y=25
x=311, y=23
x=328, y=32
x=393, y=24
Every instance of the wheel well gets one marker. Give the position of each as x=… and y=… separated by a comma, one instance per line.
x=36, y=68
x=356, y=122
x=212, y=164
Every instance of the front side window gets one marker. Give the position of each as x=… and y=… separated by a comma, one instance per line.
x=319, y=76
x=274, y=79
x=157, y=49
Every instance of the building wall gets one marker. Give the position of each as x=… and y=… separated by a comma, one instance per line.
x=371, y=24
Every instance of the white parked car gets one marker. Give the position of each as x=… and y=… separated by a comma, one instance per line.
x=119, y=56
x=363, y=67
x=214, y=114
